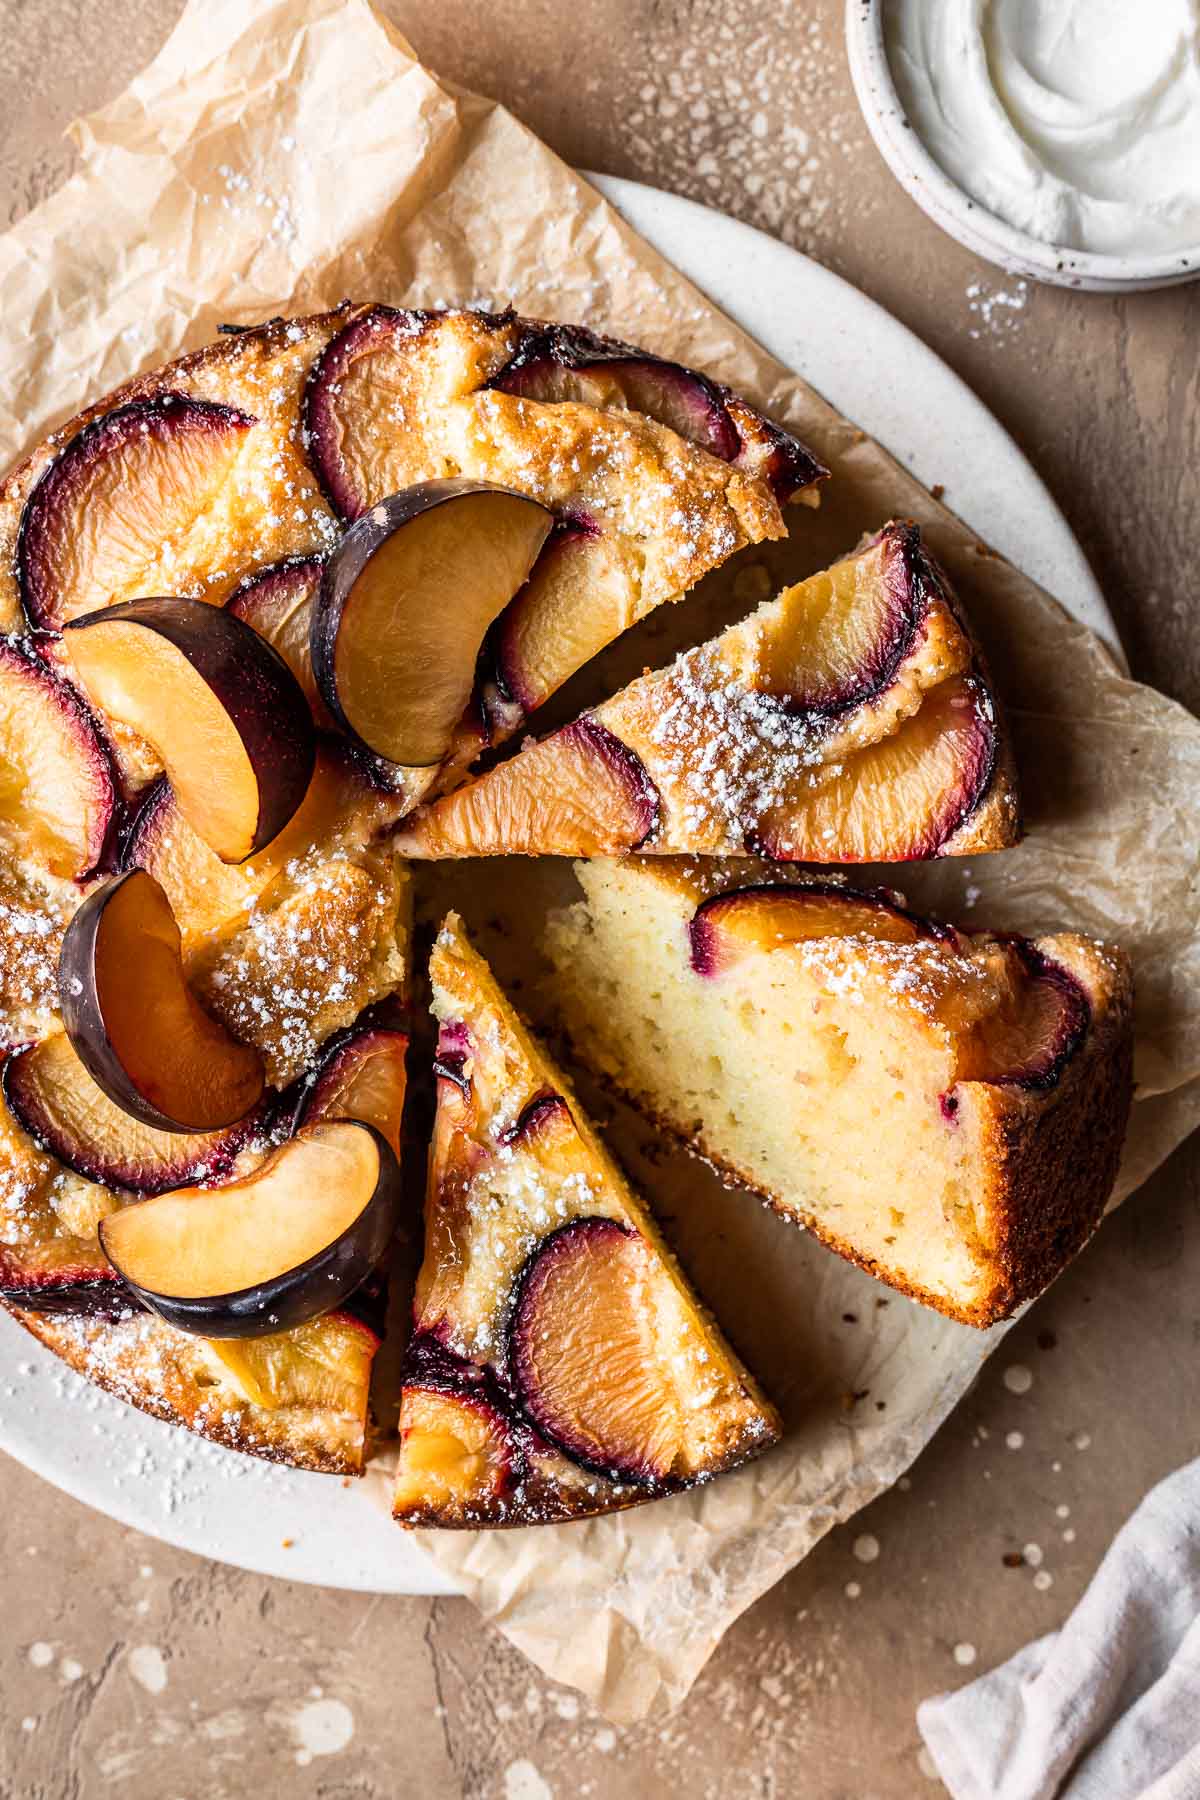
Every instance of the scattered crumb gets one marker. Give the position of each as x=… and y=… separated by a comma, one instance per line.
x=1018, y=1379
x=964, y=1655
x=866, y=1548
x=1015, y=1440
x=148, y=1667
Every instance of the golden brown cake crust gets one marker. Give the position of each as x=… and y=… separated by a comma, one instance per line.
x=141, y=1361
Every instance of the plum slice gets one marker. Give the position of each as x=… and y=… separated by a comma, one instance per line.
x=740, y=921
x=57, y=787
x=362, y=1075
x=277, y=602
x=219, y=705
x=134, y=1022
x=104, y=507
x=578, y=598
x=688, y=403
x=1041, y=1018
x=567, y=362
x=584, y=1356
x=405, y=603
x=53, y=1098
x=857, y=625
x=457, y=1459
x=899, y=800
x=282, y=1245
x=579, y=792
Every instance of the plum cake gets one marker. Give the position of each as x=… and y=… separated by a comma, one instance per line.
x=253, y=605
x=298, y=474
x=944, y=1108
x=559, y=1365
x=849, y=720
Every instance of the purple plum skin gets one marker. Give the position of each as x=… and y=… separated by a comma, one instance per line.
x=704, y=945
x=262, y=697
x=309, y=1290
x=568, y=1240
x=47, y=509
x=20, y=662
x=97, y=1163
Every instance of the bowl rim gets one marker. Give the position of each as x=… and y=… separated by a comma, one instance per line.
x=966, y=219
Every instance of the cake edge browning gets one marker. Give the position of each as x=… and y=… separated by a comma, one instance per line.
x=261, y=1432
x=1043, y=1148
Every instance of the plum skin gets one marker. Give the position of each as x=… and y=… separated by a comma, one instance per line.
x=703, y=929
x=366, y=534
x=20, y=653
x=264, y=701
x=317, y=1286
x=94, y=1297
x=163, y=413
x=556, y=1243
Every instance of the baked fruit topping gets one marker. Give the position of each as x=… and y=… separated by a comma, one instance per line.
x=221, y=709
x=284, y=1244
x=325, y=1363
x=134, y=1022
x=362, y=1075
x=57, y=788
x=341, y=814
x=457, y=1457
x=579, y=792
x=129, y=482
x=850, y=720
x=655, y=474
x=50, y=1255
x=568, y=362
x=52, y=1096
x=945, y=1109
x=277, y=602
x=404, y=606
x=559, y=1365
x=747, y=921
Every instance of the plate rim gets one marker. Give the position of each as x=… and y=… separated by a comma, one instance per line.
x=352, y=1556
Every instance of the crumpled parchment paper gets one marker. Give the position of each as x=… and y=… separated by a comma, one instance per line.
x=281, y=156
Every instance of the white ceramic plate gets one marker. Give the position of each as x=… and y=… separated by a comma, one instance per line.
x=192, y=1494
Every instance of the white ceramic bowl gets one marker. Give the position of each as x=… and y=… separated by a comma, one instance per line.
x=964, y=218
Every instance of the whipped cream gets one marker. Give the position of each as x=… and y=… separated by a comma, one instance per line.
x=1076, y=120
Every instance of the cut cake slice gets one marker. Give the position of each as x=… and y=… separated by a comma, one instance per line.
x=849, y=720
x=560, y=1366
x=944, y=1108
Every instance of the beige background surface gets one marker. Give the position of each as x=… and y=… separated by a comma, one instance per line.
x=124, y=1665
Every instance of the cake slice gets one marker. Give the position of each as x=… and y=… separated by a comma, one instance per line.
x=944, y=1108
x=559, y=1365
x=849, y=720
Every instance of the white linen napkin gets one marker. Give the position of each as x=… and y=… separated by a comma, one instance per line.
x=1108, y=1708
